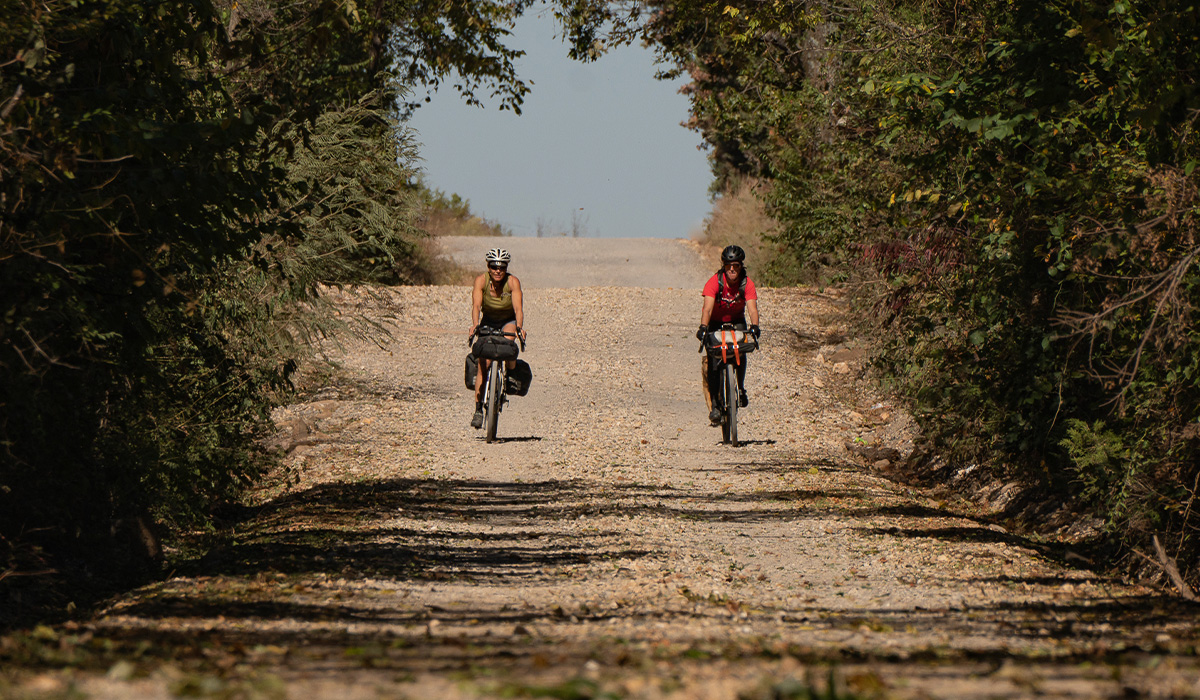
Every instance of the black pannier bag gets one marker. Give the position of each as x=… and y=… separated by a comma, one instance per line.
x=491, y=347
x=470, y=371
x=519, y=379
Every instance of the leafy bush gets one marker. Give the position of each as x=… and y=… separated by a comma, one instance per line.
x=1012, y=187
x=179, y=180
x=1065, y=220
x=451, y=215
x=1099, y=458
x=127, y=187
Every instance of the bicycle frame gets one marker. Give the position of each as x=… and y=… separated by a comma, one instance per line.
x=733, y=347
x=494, y=388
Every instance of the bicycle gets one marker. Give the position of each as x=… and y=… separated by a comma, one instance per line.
x=496, y=348
x=726, y=347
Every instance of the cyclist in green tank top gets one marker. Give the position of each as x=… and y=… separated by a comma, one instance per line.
x=495, y=303
x=498, y=308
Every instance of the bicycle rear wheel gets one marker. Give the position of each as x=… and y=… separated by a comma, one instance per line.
x=731, y=405
x=492, y=413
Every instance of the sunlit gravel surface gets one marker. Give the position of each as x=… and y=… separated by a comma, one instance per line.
x=608, y=542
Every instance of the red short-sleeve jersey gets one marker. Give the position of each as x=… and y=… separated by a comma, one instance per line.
x=730, y=307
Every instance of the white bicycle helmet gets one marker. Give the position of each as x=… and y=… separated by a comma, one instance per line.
x=498, y=255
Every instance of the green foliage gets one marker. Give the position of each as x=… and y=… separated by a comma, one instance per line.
x=744, y=66
x=178, y=181
x=451, y=215
x=1057, y=183
x=348, y=196
x=129, y=177
x=1013, y=185
x=1099, y=458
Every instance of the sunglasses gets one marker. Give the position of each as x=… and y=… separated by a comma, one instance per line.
x=733, y=266
x=498, y=267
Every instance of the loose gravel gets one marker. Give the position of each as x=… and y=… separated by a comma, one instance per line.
x=609, y=543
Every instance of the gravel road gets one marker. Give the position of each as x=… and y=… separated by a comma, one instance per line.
x=651, y=263
x=609, y=545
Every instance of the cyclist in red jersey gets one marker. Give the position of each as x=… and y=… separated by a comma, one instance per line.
x=729, y=297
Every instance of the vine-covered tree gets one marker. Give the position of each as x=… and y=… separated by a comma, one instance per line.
x=1014, y=185
x=176, y=181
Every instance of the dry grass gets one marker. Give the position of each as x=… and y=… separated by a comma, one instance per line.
x=439, y=268
x=739, y=217
x=447, y=223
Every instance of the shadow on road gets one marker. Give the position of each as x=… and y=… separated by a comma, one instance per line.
x=350, y=634
x=1065, y=554
x=428, y=529
x=528, y=438
x=286, y=575
x=785, y=465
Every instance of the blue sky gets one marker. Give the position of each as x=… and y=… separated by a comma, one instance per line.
x=598, y=146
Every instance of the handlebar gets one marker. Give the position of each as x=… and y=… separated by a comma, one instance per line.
x=732, y=327
x=478, y=332
x=729, y=327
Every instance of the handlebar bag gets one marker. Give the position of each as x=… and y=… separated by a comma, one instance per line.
x=519, y=378
x=492, y=347
x=745, y=342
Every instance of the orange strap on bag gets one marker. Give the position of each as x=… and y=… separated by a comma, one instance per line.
x=725, y=342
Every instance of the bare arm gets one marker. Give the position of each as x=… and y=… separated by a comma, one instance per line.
x=518, y=311
x=477, y=301
x=707, y=309
x=752, y=311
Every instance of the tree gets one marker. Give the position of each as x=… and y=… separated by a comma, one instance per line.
x=152, y=152
x=1013, y=185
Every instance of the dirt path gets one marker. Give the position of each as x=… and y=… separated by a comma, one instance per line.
x=609, y=545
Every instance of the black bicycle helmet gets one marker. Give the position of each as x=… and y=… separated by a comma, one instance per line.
x=733, y=253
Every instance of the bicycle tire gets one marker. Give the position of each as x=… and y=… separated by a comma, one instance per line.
x=492, y=415
x=724, y=412
x=731, y=403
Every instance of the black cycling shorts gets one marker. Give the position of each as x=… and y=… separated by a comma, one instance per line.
x=496, y=323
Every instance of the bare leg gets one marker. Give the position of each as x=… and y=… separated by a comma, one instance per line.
x=479, y=375
x=510, y=327
x=704, y=381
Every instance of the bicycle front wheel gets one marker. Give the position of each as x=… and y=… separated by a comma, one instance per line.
x=731, y=404
x=492, y=414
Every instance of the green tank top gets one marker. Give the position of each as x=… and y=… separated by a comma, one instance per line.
x=497, y=307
